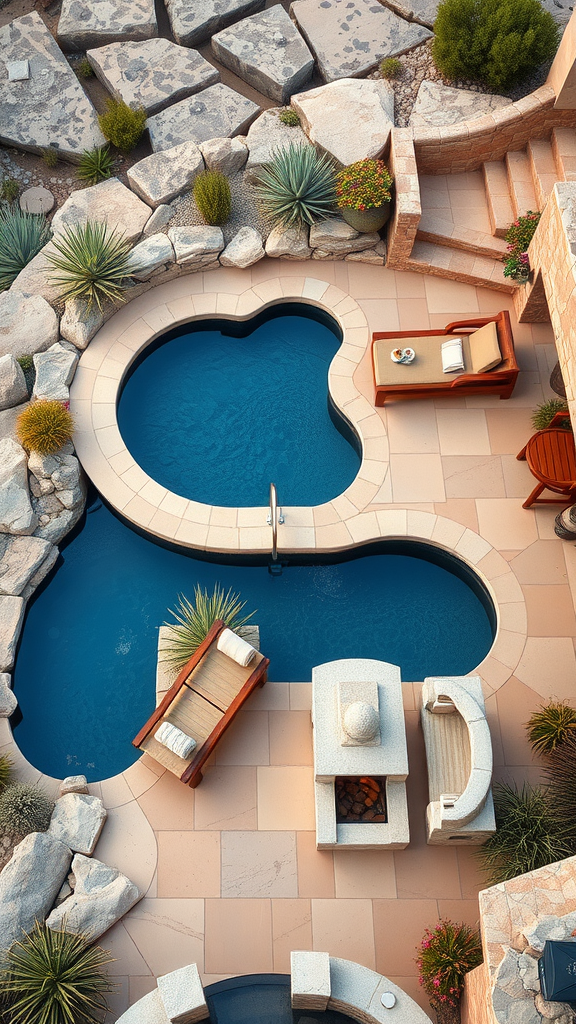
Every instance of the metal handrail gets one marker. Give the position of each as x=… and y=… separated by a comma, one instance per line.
x=274, y=517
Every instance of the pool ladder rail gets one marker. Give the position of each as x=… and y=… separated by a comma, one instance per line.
x=274, y=517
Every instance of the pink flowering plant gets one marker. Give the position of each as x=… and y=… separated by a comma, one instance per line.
x=518, y=238
x=364, y=185
x=445, y=955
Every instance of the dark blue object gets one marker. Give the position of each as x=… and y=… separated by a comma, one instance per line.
x=557, y=971
x=261, y=999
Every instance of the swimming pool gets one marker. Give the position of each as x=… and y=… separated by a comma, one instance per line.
x=85, y=671
x=217, y=410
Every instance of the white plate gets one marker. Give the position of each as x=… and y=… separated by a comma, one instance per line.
x=407, y=356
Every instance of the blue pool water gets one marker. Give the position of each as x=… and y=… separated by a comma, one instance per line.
x=217, y=413
x=85, y=671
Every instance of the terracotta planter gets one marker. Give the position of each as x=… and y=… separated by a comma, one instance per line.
x=369, y=220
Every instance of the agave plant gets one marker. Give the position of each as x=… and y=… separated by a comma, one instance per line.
x=560, y=775
x=91, y=262
x=54, y=977
x=22, y=235
x=550, y=725
x=95, y=165
x=193, y=620
x=298, y=186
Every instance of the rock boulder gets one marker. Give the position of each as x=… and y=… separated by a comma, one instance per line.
x=13, y=388
x=265, y=135
x=11, y=619
x=225, y=155
x=193, y=21
x=334, y=235
x=159, y=219
x=196, y=246
x=350, y=119
x=101, y=896
x=77, y=821
x=8, y=702
x=213, y=113
x=162, y=176
x=288, y=243
x=87, y=23
x=16, y=515
x=110, y=201
x=244, y=249
x=55, y=369
x=30, y=883
x=154, y=253
x=73, y=784
x=20, y=560
x=27, y=323
x=438, y=105
x=78, y=324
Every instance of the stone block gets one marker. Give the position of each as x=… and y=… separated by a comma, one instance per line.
x=30, y=883
x=265, y=135
x=182, y=994
x=150, y=255
x=77, y=821
x=438, y=105
x=8, y=702
x=194, y=21
x=20, y=560
x=87, y=23
x=310, y=987
x=27, y=323
x=196, y=245
x=244, y=249
x=11, y=618
x=102, y=895
x=16, y=514
x=13, y=388
x=162, y=176
x=225, y=155
x=55, y=370
x=73, y=784
x=334, y=235
x=159, y=219
x=350, y=119
x=110, y=202
x=148, y=1010
x=290, y=243
x=78, y=324
x=216, y=112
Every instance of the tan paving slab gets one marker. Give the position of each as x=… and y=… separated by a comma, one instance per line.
x=188, y=864
x=239, y=936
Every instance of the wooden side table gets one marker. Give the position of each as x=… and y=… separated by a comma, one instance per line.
x=551, y=458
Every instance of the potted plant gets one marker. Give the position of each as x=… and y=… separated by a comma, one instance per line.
x=518, y=237
x=364, y=194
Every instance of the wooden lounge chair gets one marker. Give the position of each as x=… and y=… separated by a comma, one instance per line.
x=202, y=702
x=489, y=370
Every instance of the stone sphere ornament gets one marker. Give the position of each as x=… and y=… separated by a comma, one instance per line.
x=361, y=721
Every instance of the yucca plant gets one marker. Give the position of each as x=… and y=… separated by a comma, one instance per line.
x=298, y=186
x=193, y=620
x=55, y=977
x=121, y=125
x=91, y=262
x=24, y=809
x=445, y=955
x=550, y=725
x=560, y=774
x=6, y=766
x=95, y=165
x=22, y=235
x=546, y=411
x=213, y=197
x=528, y=834
x=45, y=426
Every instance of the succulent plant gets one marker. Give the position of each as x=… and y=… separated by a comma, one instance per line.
x=95, y=165
x=90, y=262
x=24, y=809
x=289, y=117
x=22, y=235
x=193, y=621
x=121, y=125
x=298, y=186
x=213, y=197
x=45, y=427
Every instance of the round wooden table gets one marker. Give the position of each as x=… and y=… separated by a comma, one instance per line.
x=551, y=457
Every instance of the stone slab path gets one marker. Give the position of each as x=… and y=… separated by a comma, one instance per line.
x=217, y=112
x=87, y=23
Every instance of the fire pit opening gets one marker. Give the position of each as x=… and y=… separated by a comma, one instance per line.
x=360, y=799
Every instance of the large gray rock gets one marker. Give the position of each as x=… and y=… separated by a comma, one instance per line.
x=102, y=895
x=225, y=155
x=77, y=821
x=27, y=324
x=37, y=278
x=73, y=784
x=110, y=201
x=289, y=243
x=30, y=883
x=68, y=122
x=193, y=21
x=162, y=176
x=55, y=369
x=350, y=119
x=153, y=74
x=56, y=529
x=13, y=388
x=244, y=249
x=549, y=927
x=160, y=218
x=67, y=475
x=78, y=324
x=11, y=618
x=424, y=11
x=16, y=514
x=8, y=702
x=266, y=135
x=215, y=112
x=20, y=560
x=511, y=1002
x=350, y=37
x=334, y=235
x=197, y=245
x=152, y=254
x=438, y=105
x=87, y=23
x=267, y=51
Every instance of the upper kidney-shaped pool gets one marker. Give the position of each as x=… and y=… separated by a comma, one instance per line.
x=217, y=409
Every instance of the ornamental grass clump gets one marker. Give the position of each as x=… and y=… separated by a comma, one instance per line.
x=6, y=766
x=289, y=117
x=121, y=125
x=22, y=235
x=95, y=165
x=518, y=238
x=551, y=725
x=45, y=426
x=544, y=414
x=297, y=187
x=364, y=185
x=193, y=621
x=213, y=197
x=560, y=774
x=445, y=955
x=390, y=67
x=91, y=262
x=54, y=977
x=9, y=189
x=24, y=809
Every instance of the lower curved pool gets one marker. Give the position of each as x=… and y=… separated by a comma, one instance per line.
x=85, y=670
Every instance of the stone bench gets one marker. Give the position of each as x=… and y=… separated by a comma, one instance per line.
x=179, y=999
x=459, y=760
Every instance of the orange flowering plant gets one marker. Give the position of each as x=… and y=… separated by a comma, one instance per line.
x=364, y=185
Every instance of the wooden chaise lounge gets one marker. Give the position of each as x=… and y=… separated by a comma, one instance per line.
x=489, y=361
x=202, y=702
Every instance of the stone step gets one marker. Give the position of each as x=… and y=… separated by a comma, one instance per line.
x=442, y=231
x=443, y=261
x=500, y=210
x=520, y=182
x=543, y=168
x=564, y=149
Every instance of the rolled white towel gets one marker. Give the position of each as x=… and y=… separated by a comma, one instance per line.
x=235, y=647
x=452, y=361
x=174, y=739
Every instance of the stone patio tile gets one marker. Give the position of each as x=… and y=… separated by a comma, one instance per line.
x=398, y=928
x=463, y=432
x=128, y=843
x=412, y=428
x=367, y=281
x=128, y=958
x=285, y=798
x=417, y=478
x=290, y=737
x=226, y=798
x=188, y=864
x=466, y=911
x=246, y=742
x=450, y=298
x=518, y=480
x=139, y=987
x=168, y=932
x=140, y=778
x=169, y=804
x=258, y=864
x=364, y=874
x=238, y=936
x=344, y=928
x=381, y=314
x=509, y=699
x=422, y=869
x=300, y=696
x=548, y=666
x=413, y=314
x=118, y=1000
x=409, y=285
x=545, y=520
x=541, y=562
x=291, y=929
x=270, y=697
x=461, y=510
x=550, y=610
x=472, y=878
x=505, y=524
x=470, y=476
x=315, y=868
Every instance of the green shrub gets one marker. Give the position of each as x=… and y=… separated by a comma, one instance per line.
x=9, y=189
x=528, y=834
x=55, y=977
x=521, y=232
x=289, y=117
x=390, y=67
x=6, y=766
x=50, y=156
x=29, y=371
x=550, y=725
x=84, y=68
x=546, y=411
x=121, y=125
x=297, y=187
x=91, y=262
x=498, y=42
x=213, y=197
x=95, y=165
x=445, y=955
x=45, y=427
x=193, y=621
x=22, y=235
x=24, y=809
x=560, y=774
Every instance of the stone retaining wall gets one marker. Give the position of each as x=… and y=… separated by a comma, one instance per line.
x=408, y=209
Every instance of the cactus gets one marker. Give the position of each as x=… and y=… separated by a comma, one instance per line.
x=24, y=809
x=213, y=198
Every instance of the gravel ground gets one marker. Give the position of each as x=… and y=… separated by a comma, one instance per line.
x=244, y=210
